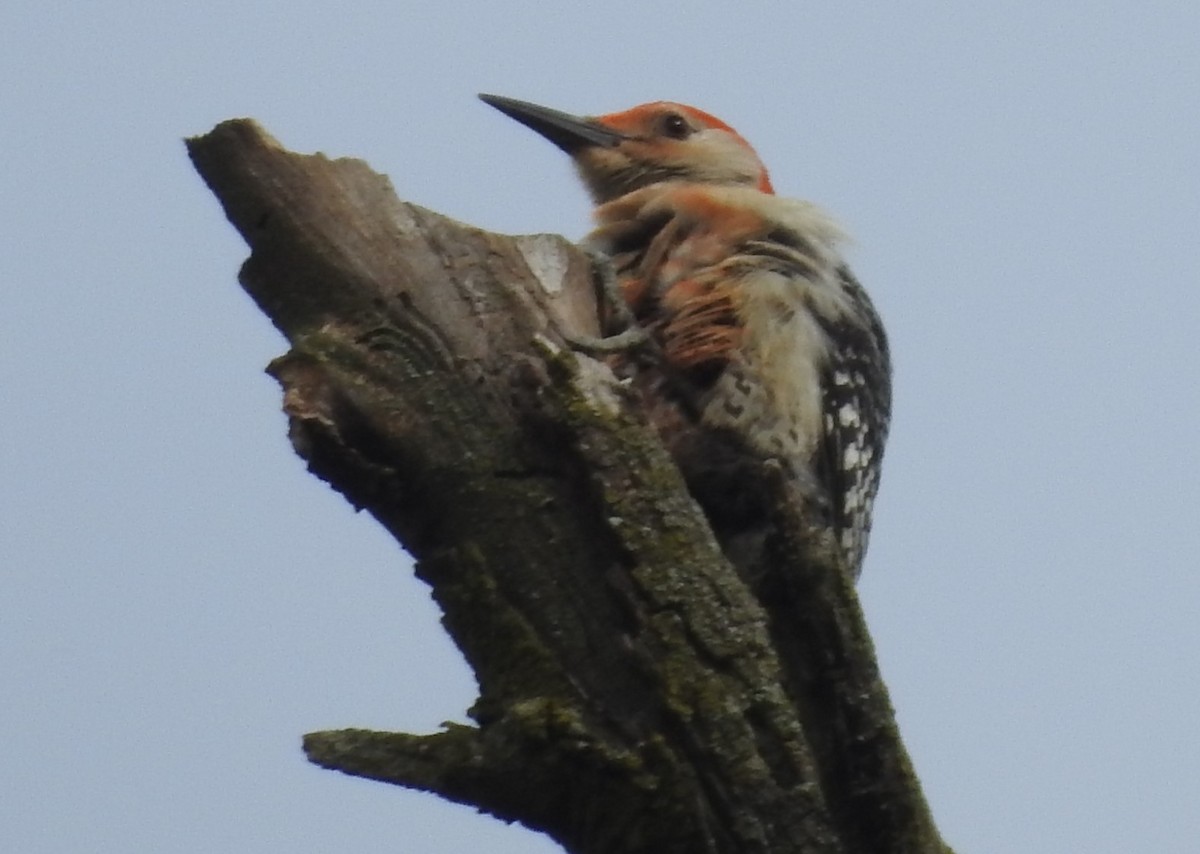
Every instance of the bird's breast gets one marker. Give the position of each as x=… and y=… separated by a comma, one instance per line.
x=725, y=279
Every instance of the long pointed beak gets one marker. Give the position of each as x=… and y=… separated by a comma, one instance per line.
x=570, y=133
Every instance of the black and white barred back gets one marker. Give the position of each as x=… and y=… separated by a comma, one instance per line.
x=811, y=382
x=857, y=388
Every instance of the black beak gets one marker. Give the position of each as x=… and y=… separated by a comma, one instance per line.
x=570, y=133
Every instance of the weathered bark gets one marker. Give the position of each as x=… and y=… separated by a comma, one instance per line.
x=635, y=694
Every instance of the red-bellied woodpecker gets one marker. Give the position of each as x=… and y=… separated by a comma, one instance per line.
x=760, y=324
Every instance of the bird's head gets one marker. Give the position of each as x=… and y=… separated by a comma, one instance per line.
x=648, y=144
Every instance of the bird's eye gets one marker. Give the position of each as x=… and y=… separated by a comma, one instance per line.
x=676, y=126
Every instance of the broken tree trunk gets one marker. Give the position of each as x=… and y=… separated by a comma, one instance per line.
x=635, y=693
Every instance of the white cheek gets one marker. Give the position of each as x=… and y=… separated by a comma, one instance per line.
x=725, y=157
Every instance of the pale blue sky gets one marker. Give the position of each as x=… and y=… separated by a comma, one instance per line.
x=179, y=600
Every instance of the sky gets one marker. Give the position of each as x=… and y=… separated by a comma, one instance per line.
x=180, y=600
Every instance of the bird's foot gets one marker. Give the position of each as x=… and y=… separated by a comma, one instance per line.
x=608, y=288
x=631, y=339
x=612, y=304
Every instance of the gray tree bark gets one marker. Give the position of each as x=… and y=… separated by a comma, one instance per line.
x=636, y=695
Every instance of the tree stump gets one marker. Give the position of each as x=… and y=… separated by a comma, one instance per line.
x=637, y=694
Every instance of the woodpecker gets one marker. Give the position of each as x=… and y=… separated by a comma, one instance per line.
x=768, y=340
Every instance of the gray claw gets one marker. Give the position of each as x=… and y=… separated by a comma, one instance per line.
x=631, y=339
x=608, y=288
